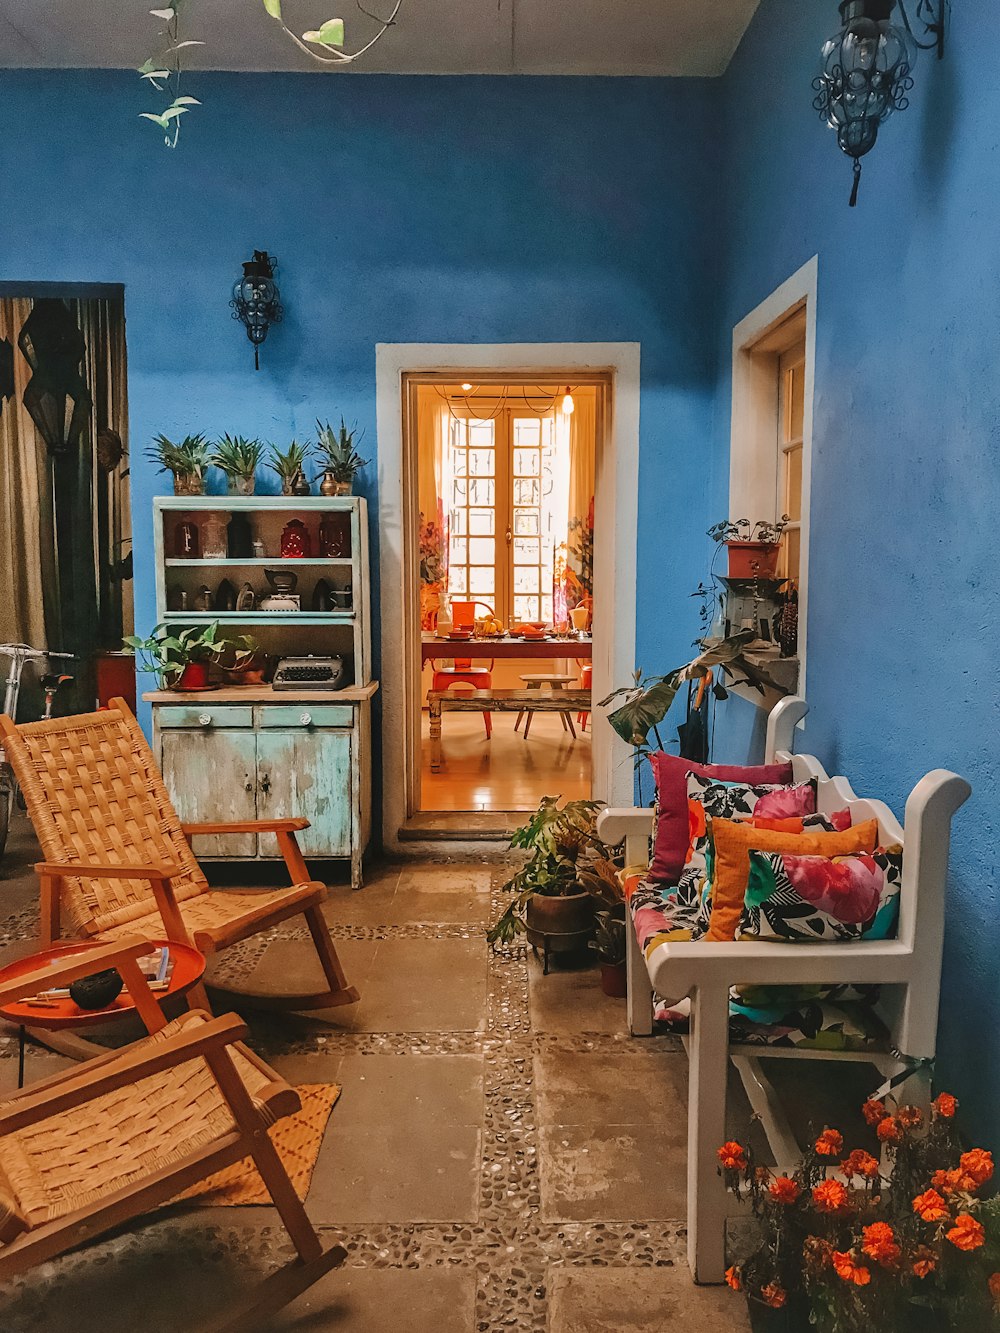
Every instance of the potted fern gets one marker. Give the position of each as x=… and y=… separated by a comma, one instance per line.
x=339, y=459
x=239, y=459
x=187, y=459
x=290, y=465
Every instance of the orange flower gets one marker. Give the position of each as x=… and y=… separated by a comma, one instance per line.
x=944, y=1104
x=967, y=1233
x=994, y=1286
x=830, y=1196
x=909, y=1116
x=889, y=1130
x=774, y=1295
x=785, y=1190
x=845, y=1267
x=947, y=1182
x=879, y=1243
x=978, y=1164
x=732, y=1156
x=930, y=1206
x=734, y=1278
x=829, y=1143
x=860, y=1163
x=924, y=1261
x=873, y=1111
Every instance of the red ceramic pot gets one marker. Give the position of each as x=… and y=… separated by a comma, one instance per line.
x=613, y=980
x=194, y=677
x=753, y=560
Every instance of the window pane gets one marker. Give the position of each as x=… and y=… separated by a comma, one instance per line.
x=526, y=462
x=459, y=550
x=482, y=550
x=481, y=433
x=482, y=580
x=796, y=401
x=526, y=522
x=457, y=584
x=459, y=492
x=460, y=463
x=527, y=493
x=526, y=578
x=481, y=522
x=459, y=522
x=793, y=483
x=546, y=607
x=527, y=430
x=526, y=608
x=526, y=551
x=482, y=462
x=792, y=543
x=482, y=491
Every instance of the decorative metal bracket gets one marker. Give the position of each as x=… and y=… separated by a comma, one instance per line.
x=933, y=16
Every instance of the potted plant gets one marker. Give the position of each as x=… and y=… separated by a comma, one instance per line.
x=290, y=465
x=609, y=945
x=753, y=547
x=187, y=459
x=181, y=659
x=567, y=874
x=340, y=461
x=846, y=1248
x=239, y=459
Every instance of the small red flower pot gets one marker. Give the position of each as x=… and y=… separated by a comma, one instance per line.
x=613, y=980
x=753, y=560
x=194, y=677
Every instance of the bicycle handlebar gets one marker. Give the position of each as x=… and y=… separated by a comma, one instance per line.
x=26, y=651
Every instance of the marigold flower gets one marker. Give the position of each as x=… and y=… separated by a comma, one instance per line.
x=909, y=1116
x=845, y=1267
x=944, y=1104
x=860, y=1163
x=830, y=1196
x=994, y=1285
x=924, y=1261
x=830, y=1143
x=967, y=1233
x=889, y=1130
x=732, y=1156
x=774, y=1295
x=879, y=1243
x=978, y=1164
x=784, y=1190
x=817, y=1253
x=930, y=1206
x=947, y=1182
x=873, y=1111
x=734, y=1278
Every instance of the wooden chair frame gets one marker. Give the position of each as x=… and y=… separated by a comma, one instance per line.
x=908, y=968
x=214, y=1041
x=158, y=875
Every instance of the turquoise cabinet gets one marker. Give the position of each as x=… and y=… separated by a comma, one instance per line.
x=191, y=762
x=307, y=771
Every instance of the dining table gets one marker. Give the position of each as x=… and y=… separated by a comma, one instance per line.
x=505, y=647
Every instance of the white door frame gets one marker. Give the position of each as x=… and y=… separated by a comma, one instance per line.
x=615, y=517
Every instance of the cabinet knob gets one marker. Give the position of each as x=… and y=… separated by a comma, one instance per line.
x=248, y=783
x=205, y=719
x=306, y=719
x=265, y=783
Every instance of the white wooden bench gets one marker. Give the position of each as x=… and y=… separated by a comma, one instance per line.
x=907, y=968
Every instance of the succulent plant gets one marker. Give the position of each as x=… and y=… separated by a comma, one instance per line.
x=184, y=458
x=336, y=450
x=237, y=456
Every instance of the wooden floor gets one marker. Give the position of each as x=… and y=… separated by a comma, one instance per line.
x=507, y=772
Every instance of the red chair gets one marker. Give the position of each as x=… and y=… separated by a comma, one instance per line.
x=586, y=683
x=462, y=672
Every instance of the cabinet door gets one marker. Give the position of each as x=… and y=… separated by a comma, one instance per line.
x=211, y=776
x=306, y=772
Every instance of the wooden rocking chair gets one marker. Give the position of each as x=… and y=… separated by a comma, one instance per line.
x=118, y=861
x=99, y=1144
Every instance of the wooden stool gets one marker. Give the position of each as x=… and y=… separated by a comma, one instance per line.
x=555, y=682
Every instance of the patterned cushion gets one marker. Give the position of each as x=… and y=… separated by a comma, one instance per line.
x=670, y=837
x=661, y=912
x=832, y=1022
x=791, y=897
x=731, y=869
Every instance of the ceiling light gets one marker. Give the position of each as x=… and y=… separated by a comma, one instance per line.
x=466, y=388
x=568, y=406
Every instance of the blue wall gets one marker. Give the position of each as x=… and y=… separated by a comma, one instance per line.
x=903, y=597
x=401, y=210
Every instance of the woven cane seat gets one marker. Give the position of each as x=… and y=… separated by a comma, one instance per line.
x=95, y=1150
x=215, y=909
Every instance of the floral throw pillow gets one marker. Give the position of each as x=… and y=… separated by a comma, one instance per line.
x=709, y=800
x=822, y=898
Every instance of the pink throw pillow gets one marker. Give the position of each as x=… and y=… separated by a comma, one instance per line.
x=670, y=772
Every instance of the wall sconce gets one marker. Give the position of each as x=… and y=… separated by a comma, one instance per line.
x=256, y=302
x=867, y=68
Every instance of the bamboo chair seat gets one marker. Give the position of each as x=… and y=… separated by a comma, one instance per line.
x=79, y=1157
x=97, y=801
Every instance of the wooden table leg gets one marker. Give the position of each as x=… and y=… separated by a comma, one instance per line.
x=434, y=713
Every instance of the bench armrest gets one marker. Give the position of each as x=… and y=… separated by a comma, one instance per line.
x=103, y=870
x=245, y=826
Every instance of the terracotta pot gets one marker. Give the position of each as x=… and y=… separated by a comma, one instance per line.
x=193, y=677
x=613, y=980
x=560, y=925
x=753, y=560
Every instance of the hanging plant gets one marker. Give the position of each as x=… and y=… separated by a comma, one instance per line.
x=163, y=72
x=323, y=44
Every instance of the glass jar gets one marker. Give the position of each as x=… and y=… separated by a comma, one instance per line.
x=213, y=537
x=295, y=540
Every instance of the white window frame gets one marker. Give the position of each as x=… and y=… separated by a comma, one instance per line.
x=754, y=482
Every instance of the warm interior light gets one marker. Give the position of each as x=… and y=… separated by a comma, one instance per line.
x=568, y=405
x=466, y=388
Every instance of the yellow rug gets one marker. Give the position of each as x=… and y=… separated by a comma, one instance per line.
x=297, y=1139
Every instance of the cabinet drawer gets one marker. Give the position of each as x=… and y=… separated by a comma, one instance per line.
x=204, y=716
x=306, y=715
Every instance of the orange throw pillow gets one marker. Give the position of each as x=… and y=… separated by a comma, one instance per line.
x=731, y=870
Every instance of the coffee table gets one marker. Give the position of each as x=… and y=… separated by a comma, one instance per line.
x=63, y=1013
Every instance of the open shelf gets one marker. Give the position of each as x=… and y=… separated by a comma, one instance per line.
x=260, y=562
x=290, y=618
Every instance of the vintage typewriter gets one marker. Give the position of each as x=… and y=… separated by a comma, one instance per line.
x=310, y=673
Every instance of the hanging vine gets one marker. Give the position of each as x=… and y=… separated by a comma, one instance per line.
x=323, y=44
x=163, y=72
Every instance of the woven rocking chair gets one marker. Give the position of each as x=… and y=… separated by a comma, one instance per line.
x=101, y=1143
x=118, y=861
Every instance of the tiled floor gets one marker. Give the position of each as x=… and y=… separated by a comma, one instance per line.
x=503, y=1156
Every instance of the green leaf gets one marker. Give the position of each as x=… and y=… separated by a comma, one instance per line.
x=330, y=34
x=186, y=101
x=167, y=14
x=163, y=123
x=172, y=112
x=273, y=7
x=154, y=74
x=639, y=715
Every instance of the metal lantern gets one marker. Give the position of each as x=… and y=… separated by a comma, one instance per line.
x=866, y=71
x=256, y=302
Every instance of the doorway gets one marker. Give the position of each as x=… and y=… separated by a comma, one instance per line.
x=613, y=365
x=505, y=486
